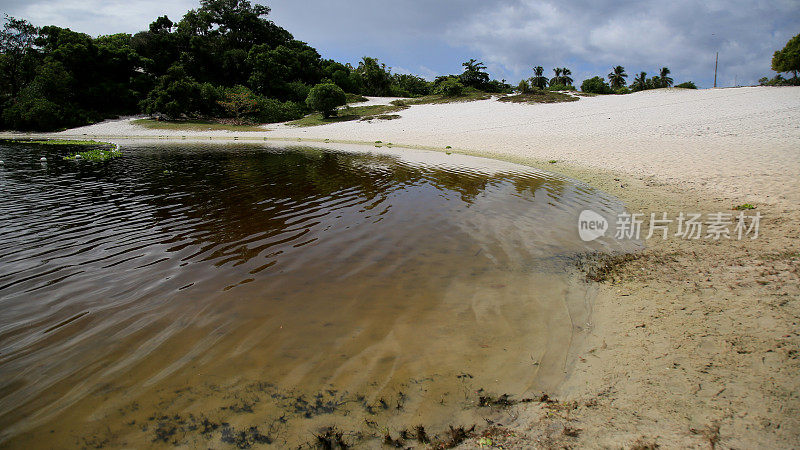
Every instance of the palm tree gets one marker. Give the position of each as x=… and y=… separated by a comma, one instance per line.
x=617, y=77
x=640, y=82
x=556, y=79
x=664, y=79
x=539, y=80
x=565, y=79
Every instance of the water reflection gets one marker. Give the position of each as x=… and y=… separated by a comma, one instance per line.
x=180, y=276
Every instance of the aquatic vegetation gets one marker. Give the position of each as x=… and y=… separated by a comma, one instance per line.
x=97, y=154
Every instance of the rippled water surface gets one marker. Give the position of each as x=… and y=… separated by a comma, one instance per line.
x=214, y=295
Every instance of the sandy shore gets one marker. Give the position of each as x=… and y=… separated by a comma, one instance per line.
x=694, y=343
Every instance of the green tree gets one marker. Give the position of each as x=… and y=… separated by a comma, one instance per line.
x=405, y=85
x=538, y=79
x=617, y=77
x=449, y=87
x=474, y=74
x=177, y=95
x=375, y=77
x=325, y=98
x=556, y=80
x=788, y=58
x=639, y=82
x=596, y=85
x=664, y=79
x=565, y=76
x=17, y=46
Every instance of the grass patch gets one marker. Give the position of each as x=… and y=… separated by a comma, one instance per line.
x=97, y=154
x=539, y=97
x=468, y=96
x=356, y=98
x=744, y=207
x=193, y=125
x=351, y=113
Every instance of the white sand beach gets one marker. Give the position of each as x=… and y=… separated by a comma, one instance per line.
x=738, y=141
x=692, y=343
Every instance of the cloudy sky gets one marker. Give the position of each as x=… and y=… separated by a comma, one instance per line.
x=431, y=38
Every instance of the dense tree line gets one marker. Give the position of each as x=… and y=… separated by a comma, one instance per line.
x=222, y=60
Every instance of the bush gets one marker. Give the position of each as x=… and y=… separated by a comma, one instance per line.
x=239, y=103
x=523, y=87
x=449, y=88
x=686, y=85
x=623, y=90
x=596, y=85
x=271, y=110
x=561, y=87
x=325, y=98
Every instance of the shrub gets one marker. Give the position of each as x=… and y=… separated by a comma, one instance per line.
x=297, y=91
x=686, y=85
x=325, y=98
x=239, y=103
x=623, y=90
x=449, y=88
x=596, y=85
x=523, y=87
x=271, y=110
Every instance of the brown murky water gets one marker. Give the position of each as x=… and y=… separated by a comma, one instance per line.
x=240, y=295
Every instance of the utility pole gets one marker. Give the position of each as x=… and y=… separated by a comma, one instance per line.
x=716, y=62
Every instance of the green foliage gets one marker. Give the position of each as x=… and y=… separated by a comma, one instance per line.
x=271, y=110
x=787, y=59
x=239, y=103
x=523, y=87
x=539, y=80
x=617, y=77
x=94, y=155
x=474, y=74
x=449, y=87
x=686, y=85
x=539, y=96
x=744, y=207
x=663, y=80
x=498, y=87
x=596, y=85
x=622, y=91
x=640, y=82
x=778, y=80
x=176, y=95
x=404, y=85
x=376, y=80
x=561, y=78
x=352, y=113
x=325, y=98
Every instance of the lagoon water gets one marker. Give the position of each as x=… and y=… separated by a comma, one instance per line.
x=204, y=294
